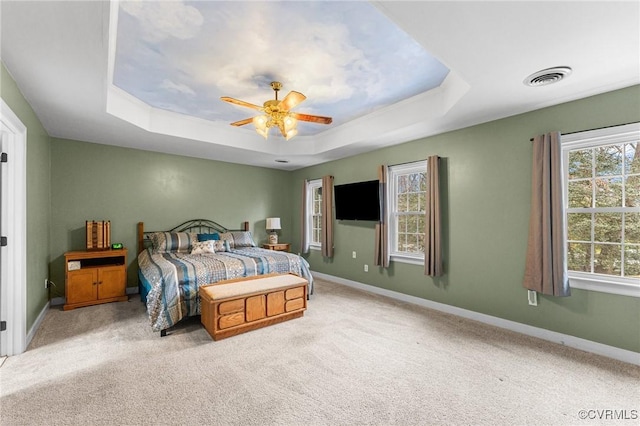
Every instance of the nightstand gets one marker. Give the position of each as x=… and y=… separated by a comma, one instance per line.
x=93, y=277
x=277, y=247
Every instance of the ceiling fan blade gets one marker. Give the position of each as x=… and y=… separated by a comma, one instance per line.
x=291, y=100
x=242, y=122
x=312, y=118
x=239, y=102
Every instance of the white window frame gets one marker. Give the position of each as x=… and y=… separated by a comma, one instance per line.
x=392, y=190
x=589, y=139
x=312, y=185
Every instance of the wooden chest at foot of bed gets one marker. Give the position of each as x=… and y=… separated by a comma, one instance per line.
x=235, y=306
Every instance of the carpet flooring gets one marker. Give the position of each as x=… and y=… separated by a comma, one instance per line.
x=354, y=359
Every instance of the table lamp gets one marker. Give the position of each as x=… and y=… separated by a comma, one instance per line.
x=273, y=224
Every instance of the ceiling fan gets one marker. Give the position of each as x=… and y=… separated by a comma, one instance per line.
x=278, y=113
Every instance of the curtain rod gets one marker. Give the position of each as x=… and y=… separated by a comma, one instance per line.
x=407, y=162
x=597, y=128
x=319, y=178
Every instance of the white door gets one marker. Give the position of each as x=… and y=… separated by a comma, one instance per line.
x=13, y=220
x=4, y=137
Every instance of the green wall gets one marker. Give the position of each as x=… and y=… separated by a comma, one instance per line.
x=486, y=197
x=38, y=190
x=126, y=186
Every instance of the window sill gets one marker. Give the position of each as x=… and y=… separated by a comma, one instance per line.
x=407, y=259
x=315, y=247
x=603, y=284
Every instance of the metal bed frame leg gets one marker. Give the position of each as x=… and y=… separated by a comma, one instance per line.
x=163, y=333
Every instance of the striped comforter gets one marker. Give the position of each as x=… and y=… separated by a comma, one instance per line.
x=171, y=280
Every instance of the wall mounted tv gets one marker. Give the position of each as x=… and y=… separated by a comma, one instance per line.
x=357, y=201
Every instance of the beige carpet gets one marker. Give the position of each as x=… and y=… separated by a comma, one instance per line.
x=354, y=358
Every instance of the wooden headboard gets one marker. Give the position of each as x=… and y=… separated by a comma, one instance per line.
x=199, y=226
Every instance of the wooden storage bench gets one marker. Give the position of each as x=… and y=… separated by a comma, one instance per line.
x=235, y=306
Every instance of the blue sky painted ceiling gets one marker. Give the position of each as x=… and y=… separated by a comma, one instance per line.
x=346, y=57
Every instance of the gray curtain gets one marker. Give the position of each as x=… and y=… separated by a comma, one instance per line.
x=381, y=255
x=326, y=236
x=433, y=233
x=545, y=268
x=304, y=240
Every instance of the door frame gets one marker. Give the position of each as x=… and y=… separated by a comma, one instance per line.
x=13, y=291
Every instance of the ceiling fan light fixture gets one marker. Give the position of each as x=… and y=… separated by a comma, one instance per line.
x=262, y=125
x=290, y=123
x=291, y=133
x=263, y=133
x=260, y=122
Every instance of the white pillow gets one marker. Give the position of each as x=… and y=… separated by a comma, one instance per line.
x=202, y=247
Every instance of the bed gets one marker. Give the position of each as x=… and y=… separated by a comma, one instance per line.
x=173, y=264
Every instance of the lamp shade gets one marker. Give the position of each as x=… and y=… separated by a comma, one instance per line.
x=273, y=223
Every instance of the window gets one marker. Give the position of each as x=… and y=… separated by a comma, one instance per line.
x=601, y=172
x=314, y=212
x=407, y=194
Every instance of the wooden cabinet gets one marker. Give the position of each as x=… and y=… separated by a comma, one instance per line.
x=93, y=277
x=278, y=246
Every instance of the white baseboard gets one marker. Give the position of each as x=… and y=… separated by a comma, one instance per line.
x=36, y=324
x=541, y=333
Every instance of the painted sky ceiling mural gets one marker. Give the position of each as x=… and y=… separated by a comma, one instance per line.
x=346, y=57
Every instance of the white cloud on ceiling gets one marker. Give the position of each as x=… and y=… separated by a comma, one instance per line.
x=176, y=88
x=163, y=19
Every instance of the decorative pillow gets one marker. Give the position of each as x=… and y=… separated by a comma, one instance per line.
x=207, y=237
x=226, y=236
x=167, y=242
x=238, y=239
x=202, y=247
x=220, y=245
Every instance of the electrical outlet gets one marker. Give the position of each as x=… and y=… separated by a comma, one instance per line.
x=366, y=268
x=532, y=296
x=353, y=254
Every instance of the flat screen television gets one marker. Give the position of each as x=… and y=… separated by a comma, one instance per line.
x=358, y=201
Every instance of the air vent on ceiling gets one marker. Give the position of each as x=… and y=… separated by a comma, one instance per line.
x=548, y=76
